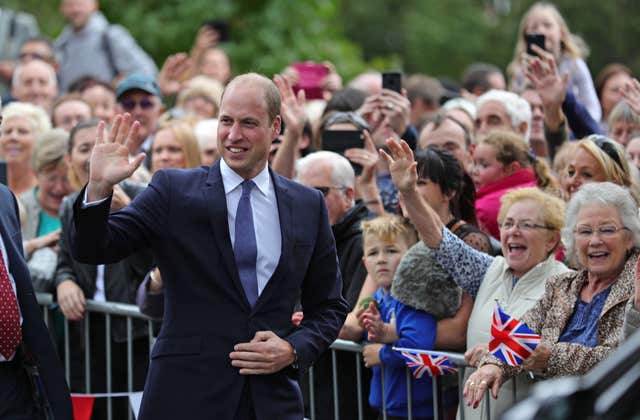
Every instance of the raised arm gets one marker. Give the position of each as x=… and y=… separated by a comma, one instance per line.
x=402, y=167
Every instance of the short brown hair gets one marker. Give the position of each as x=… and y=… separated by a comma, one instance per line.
x=271, y=93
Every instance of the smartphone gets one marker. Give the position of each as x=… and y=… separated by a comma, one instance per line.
x=340, y=140
x=311, y=75
x=534, y=39
x=3, y=172
x=392, y=80
x=220, y=26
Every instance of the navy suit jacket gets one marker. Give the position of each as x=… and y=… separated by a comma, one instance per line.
x=182, y=217
x=35, y=335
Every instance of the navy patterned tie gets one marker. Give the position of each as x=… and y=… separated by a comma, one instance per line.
x=245, y=248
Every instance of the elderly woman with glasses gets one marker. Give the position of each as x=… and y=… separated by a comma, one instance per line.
x=530, y=221
x=598, y=159
x=580, y=316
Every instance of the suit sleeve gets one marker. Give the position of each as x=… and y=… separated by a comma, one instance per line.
x=97, y=237
x=324, y=307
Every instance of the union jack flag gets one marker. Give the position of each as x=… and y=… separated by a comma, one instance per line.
x=421, y=361
x=512, y=341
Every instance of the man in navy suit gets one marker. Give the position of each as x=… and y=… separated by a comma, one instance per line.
x=16, y=392
x=227, y=348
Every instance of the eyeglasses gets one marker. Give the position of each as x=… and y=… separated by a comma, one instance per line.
x=605, y=231
x=34, y=56
x=325, y=190
x=346, y=117
x=607, y=146
x=522, y=225
x=129, y=104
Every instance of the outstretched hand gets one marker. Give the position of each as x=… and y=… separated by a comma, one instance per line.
x=402, y=165
x=543, y=73
x=631, y=94
x=110, y=162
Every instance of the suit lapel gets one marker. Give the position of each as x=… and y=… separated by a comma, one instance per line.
x=217, y=205
x=285, y=214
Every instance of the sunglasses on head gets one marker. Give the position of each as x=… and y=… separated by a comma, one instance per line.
x=129, y=104
x=347, y=117
x=607, y=146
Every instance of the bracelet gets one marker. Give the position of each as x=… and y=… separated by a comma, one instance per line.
x=369, y=202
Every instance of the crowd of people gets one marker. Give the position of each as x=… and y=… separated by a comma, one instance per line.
x=521, y=189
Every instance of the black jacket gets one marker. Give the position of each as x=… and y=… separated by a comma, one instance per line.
x=348, y=237
x=121, y=279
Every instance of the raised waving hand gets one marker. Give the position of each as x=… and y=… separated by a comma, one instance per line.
x=110, y=162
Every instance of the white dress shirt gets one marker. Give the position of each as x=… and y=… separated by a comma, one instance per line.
x=266, y=220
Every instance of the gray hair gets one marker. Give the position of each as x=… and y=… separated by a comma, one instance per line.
x=206, y=130
x=622, y=112
x=605, y=194
x=517, y=108
x=17, y=72
x=37, y=117
x=341, y=170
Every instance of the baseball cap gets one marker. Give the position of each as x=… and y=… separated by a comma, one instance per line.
x=139, y=81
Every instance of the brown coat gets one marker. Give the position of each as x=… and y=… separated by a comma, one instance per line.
x=550, y=315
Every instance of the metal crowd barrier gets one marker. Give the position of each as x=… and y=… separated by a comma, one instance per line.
x=131, y=312
x=438, y=412
x=109, y=310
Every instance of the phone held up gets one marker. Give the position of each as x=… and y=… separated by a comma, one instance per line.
x=220, y=26
x=311, y=76
x=534, y=39
x=340, y=140
x=392, y=80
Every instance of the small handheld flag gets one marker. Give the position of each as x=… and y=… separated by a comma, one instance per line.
x=512, y=341
x=421, y=361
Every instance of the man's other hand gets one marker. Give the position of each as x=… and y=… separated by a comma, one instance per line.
x=266, y=353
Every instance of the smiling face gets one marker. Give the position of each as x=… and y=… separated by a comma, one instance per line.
x=491, y=116
x=582, y=168
x=245, y=133
x=69, y=113
x=525, y=248
x=103, y=102
x=83, y=143
x=166, y=151
x=36, y=84
x=543, y=21
x=603, y=255
x=144, y=108
x=621, y=131
x=53, y=186
x=381, y=258
x=17, y=140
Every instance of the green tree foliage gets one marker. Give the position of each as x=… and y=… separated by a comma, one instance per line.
x=439, y=37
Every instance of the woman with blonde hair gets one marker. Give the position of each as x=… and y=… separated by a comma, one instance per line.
x=599, y=159
x=22, y=124
x=175, y=146
x=568, y=50
x=502, y=161
x=201, y=97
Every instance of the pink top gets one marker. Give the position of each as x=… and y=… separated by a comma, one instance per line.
x=488, y=198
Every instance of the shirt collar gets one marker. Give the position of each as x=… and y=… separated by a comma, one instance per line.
x=231, y=180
